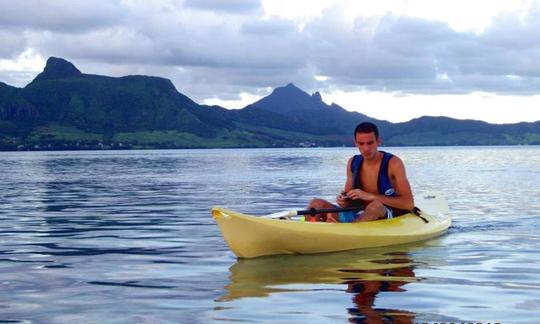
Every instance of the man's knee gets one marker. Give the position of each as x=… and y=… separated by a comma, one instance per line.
x=375, y=206
x=374, y=210
x=318, y=203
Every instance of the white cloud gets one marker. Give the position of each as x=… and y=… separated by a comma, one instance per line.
x=28, y=61
x=244, y=100
x=17, y=71
x=399, y=108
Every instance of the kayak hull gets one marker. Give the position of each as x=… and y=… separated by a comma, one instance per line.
x=251, y=236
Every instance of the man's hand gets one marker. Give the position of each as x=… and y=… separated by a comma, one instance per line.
x=343, y=200
x=361, y=194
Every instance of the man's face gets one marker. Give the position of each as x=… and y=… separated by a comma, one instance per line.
x=367, y=144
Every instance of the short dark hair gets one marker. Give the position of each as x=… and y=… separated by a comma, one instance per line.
x=366, y=128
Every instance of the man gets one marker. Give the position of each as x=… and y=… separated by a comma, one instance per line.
x=376, y=181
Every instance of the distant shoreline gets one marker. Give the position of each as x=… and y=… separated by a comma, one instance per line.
x=113, y=149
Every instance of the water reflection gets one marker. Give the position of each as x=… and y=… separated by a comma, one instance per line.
x=366, y=290
x=364, y=274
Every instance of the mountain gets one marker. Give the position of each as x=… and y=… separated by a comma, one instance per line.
x=13, y=106
x=63, y=108
x=310, y=112
x=103, y=104
x=448, y=131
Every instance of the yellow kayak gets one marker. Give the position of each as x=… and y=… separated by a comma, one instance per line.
x=252, y=236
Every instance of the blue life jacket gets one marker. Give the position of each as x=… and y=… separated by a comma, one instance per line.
x=384, y=186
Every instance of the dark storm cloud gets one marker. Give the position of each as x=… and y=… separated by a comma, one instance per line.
x=227, y=83
x=186, y=39
x=226, y=48
x=379, y=54
x=211, y=54
x=269, y=27
x=11, y=44
x=225, y=6
x=60, y=16
x=418, y=56
x=115, y=45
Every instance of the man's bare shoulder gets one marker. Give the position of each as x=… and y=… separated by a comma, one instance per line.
x=349, y=162
x=396, y=163
x=396, y=159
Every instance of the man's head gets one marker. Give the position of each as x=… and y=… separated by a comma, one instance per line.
x=366, y=139
x=366, y=128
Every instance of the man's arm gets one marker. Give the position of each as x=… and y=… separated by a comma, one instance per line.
x=404, y=198
x=342, y=202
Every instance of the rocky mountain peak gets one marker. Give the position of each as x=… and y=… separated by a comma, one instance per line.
x=57, y=68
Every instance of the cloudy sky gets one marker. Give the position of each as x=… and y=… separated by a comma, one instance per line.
x=390, y=59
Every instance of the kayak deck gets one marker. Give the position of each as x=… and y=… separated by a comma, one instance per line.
x=251, y=236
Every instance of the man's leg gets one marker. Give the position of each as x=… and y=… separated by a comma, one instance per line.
x=374, y=210
x=322, y=204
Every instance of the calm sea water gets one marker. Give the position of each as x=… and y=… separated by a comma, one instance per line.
x=127, y=237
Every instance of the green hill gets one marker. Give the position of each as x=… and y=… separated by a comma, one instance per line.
x=63, y=108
